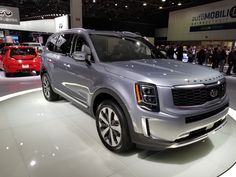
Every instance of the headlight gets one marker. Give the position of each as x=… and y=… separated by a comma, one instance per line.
x=147, y=96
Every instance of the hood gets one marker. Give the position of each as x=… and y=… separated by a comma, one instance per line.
x=164, y=72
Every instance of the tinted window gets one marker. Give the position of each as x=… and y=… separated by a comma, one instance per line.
x=22, y=51
x=4, y=51
x=78, y=43
x=121, y=48
x=63, y=44
x=51, y=44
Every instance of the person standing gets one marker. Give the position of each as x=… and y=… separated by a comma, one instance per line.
x=170, y=52
x=215, y=58
x=201, y=56
x=180, y=52
x=231, y=61
x=222, y=60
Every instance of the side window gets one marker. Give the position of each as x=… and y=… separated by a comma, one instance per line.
x=78, y=44
x=3, y=51
x=63, y=44
x=51, y=44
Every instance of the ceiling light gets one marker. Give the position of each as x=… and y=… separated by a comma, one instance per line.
x=126, y=6
x=116, y=4
x=144, y=4
x=160, y=7
x=179, y=4
x=94, y=1
x=172, y=3
x=163, y=0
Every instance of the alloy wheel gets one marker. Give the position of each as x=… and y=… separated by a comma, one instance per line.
x=109, y=126
x=46, y=87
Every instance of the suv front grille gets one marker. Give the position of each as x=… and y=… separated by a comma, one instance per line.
x=197, y=96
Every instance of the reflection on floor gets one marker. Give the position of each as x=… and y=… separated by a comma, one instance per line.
x=44, y=139
x=18, y=82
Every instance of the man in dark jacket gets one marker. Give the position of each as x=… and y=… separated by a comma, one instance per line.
x=231, y=61
x=179, y=52
x=201, y=56
x=214, y=58
x=222, y=59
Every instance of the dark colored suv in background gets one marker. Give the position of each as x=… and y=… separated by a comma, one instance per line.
x=135, y=97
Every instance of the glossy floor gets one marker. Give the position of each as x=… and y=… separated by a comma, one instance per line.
x=44, y=139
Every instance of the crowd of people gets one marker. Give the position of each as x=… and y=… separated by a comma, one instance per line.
x=216, y=57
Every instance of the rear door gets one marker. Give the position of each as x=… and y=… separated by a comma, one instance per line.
x=80, y=76
x=62, y=56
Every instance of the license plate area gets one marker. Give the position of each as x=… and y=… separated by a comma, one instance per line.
x=25, y=66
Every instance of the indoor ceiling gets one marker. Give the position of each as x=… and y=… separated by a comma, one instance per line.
x=141, y=11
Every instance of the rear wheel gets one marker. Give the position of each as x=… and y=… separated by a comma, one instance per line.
x=112, y=127
x=48, y=93
x=7, y=74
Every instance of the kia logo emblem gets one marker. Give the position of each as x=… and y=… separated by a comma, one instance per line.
x=214, y=93
x=6, y=13
x=232, y=12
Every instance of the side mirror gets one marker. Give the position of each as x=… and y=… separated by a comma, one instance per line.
x=79, y=56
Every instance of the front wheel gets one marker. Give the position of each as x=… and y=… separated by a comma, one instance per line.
x=48, y=93
x=112, y=127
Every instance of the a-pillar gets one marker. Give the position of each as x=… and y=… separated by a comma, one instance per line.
x=76, y=13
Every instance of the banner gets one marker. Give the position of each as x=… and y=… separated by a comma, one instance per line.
x=9, y=15
x=213, y=21
x=217, y=19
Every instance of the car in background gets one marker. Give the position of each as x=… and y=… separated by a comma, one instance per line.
x=35, y=45
x=19, y=59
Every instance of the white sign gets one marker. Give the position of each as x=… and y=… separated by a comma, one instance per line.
x=9, y=15
x=213, y=21
x=61, y=23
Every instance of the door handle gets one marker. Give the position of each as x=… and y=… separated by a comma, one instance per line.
x=49, y=60
x=67, y=65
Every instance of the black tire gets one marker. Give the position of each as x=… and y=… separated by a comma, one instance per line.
x=7, y=74
x=37, y=73
x=48, y=92
x=114, y=135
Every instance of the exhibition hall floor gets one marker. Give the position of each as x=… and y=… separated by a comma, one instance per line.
x=45, y=139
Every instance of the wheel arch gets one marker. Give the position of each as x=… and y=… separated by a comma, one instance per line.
x=105, y=93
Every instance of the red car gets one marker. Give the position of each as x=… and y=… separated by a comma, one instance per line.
x=17, y=59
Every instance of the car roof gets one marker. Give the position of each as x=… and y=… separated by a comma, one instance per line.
x=31, y=43
x=112, y=33
x=17, y=46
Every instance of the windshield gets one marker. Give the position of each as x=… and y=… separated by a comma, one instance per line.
x=115, y=48
x=22, y=51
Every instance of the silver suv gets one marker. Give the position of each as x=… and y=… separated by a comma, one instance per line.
x=136, y=97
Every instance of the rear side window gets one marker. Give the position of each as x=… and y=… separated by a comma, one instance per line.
x=51, y=44
x=22, y=51
x=63, y=44
x=4, y=51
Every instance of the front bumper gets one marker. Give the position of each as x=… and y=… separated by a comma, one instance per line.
x=172, y=131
